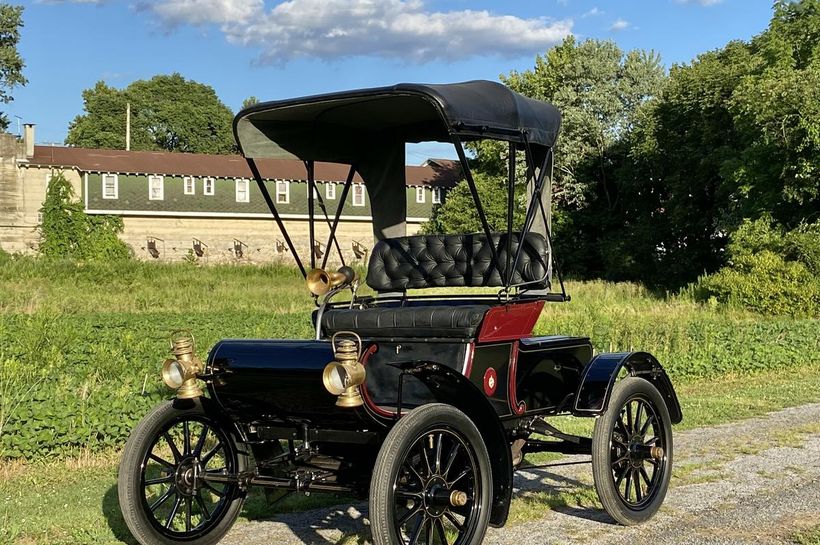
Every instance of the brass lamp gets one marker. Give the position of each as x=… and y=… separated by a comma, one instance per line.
x=343, y=376
x=181, y=371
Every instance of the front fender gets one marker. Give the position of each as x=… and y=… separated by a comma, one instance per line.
x=451, y=387
x=599, y=377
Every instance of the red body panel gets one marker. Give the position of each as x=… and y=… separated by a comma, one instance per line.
x=510, y=322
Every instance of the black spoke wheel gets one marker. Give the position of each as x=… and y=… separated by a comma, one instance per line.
x=632, y=452
x=163, y=490
x=432, y=481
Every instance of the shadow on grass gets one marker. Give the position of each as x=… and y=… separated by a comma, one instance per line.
x=113, y=515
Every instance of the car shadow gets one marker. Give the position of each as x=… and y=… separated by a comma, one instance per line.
x=113, y=516
x=348, y=523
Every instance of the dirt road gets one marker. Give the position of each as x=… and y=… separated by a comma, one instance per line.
x=753, y=482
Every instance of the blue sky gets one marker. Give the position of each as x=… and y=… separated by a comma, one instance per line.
x=280, y=49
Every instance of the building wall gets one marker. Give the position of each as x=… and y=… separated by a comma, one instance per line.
x=240, y=240
x=22, y=192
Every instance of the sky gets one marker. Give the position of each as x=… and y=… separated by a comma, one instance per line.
x=284, y=49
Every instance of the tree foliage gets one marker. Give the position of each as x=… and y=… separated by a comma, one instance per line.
x=459, y=215
x=168, y=113
x=68, y=232
x=11, y=63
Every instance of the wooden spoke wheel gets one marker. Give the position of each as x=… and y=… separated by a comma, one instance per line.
x=632, y=452
x=432, y=481
x=163, y=493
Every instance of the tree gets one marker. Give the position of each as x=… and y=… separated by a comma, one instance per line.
x=734, y=136
x=68, y=232
x=602, y=94
x=458, y=213
x=168, y=113
x=11, y=63
x=250, y=101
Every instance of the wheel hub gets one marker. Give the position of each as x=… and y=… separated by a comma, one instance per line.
x=436, y=496
x=187, y=476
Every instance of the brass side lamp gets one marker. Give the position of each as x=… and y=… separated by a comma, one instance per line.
x=343, y=376
x=180, y=372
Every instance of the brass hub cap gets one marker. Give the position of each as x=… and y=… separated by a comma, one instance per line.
x=187, y=475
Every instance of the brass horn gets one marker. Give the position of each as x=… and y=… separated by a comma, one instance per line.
x=320, y=281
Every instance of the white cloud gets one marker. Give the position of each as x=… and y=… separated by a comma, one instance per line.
x=592, y=13
x=705, y=3
x=329, y=29
x=619, y=24
x=198, y=12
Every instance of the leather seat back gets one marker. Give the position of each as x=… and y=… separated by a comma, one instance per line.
x=438, y=261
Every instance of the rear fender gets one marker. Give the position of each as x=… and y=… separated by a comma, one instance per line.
x=451, y=387
x=601, y=372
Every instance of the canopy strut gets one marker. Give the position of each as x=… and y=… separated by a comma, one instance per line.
x=272, y=207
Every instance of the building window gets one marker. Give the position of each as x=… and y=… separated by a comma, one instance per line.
x=436, y=195
x=242, y=190
x=420, y=195
x=358, y=194
x=330, y=191
x=156, y=188
x=110, y=186
x=282, y=192
x=189, y=183
x=208, y=186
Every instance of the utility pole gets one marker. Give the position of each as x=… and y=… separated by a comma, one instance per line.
x=128, y=126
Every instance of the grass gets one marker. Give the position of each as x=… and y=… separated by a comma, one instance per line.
x=807, y=537
x=82, y=342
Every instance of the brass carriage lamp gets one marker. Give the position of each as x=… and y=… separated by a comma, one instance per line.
x=343, y=376
x=180, y=372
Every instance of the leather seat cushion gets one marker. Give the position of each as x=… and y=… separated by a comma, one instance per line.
x=460, y=321
x=428, y=261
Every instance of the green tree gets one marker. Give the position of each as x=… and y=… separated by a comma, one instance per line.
x=11, y=63
x=734, y=135
x=602, y=94
x=250, y=101
x=168, y=113
x=68, y=232
x=458, y=213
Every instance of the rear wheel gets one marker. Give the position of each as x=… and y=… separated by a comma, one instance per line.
x=432, y=481
x=162, y=493
x=632, y=452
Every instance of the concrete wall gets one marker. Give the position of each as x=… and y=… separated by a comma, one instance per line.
x=22, y=191
x=224, y=239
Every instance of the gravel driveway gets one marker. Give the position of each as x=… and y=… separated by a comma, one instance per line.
x=751, y=482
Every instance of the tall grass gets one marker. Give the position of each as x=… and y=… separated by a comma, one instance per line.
x=81, y=343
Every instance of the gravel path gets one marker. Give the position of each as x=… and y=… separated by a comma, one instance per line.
x=746, y=483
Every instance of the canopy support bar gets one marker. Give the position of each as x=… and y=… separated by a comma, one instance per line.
x=510, y=206
x=342, y=200
x=311, y=196
x=272, y=207
x=468, y=175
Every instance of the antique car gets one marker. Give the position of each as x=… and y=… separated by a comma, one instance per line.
x=423, y=402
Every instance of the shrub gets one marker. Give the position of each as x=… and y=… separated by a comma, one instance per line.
x=68, y=232
x=770, y=271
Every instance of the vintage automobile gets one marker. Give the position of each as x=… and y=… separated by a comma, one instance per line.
x=425, y=403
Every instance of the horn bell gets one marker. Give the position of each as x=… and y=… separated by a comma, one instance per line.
x=319, y=281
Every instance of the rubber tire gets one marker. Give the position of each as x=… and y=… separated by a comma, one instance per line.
x=390, y=458
x=601, y=463
x=129, y=478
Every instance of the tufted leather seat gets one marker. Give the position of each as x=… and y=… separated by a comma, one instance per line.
x=427, y=261
x=422, y=321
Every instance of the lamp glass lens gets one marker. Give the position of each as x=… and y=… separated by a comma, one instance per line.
x=174, y=375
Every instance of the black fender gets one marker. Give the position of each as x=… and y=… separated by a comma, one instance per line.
x=451, y=387
x=599, y=377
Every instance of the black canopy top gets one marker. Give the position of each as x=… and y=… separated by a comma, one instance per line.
x=347, y=126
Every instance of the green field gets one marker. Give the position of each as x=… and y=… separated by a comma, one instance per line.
x=81, y=346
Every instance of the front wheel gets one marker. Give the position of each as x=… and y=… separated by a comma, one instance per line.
x=162, y=493
x=432, y=482
x=632, y=452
